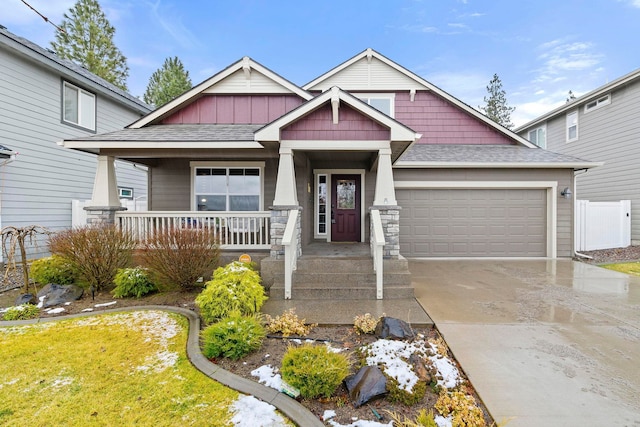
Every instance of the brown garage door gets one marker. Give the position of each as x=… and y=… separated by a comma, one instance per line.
x=473, y=223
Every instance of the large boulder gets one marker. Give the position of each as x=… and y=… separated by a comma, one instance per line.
x=367, y=384
x=26, y=299
x=55, y=294
x=395, y=329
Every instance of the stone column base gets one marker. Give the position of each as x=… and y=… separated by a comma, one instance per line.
x=102, y=215
x=279, y=218
x=390, y=217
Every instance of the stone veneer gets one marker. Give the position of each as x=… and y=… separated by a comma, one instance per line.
x=390, y=218
x=279, y=218
x=101, y=215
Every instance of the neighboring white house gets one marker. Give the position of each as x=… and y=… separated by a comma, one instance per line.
x=604, y=126
x=46, y=99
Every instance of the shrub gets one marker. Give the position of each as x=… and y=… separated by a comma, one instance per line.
x=132, y=282
x=21, y=312
x=406, y=397
x=234, y=287
x=95, y=252
x=365, y=324
x=462, y=407
x=423, y=419
x=53, y=269
x=178, y=257
x=233, y=337
x=314, y=369
x=288, y=324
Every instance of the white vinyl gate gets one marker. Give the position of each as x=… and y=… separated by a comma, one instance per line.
x=602, y=225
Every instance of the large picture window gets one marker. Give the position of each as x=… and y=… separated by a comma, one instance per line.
x=227, y=188
x=78, y=106
x=380, y=101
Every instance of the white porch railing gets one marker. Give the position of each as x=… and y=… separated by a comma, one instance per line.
x=233, y=230
x=290, y=243
x=377, y=250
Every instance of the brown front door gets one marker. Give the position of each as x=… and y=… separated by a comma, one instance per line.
x=345, y=208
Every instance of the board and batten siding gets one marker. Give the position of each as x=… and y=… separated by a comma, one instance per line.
x=609, y=134
x=564, y=177
x=39, y=185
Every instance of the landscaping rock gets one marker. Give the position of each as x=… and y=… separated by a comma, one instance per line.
x=26, y=299
x=420, y=368
x=59, y=294
x=395, y=329
x=367, y=384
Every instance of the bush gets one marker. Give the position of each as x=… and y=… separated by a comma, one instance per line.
x=234, y=287
x=424, y=419
x=406, y=397
x=462, y=408
x=233, y=337
x=288, y=324
x=95, y=252
x=21, y=312
x=132, y=282
x=179, y=257
x=365, y=324
x=314, y=369
x=53, y=269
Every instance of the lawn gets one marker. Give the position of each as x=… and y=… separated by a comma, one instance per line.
x=116, y=369
x=632, y=268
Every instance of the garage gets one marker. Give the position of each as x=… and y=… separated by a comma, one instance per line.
x=459, y=222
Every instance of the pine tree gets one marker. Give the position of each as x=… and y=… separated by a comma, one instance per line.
x=167, y=82
x=496, y=107
x=88, y=40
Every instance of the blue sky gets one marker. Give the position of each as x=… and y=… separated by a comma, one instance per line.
x=540, y=49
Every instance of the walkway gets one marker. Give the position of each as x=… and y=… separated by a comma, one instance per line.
x=545, y=343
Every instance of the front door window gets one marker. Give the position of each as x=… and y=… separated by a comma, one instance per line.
x=346, y=193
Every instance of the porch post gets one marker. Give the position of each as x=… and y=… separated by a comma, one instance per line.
x=104, y=200
x=286, y=194
x=385, y=193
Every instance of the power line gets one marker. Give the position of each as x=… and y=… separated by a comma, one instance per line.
x=42, y=16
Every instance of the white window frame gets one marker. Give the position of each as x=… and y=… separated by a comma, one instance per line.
x=125, y=193
x=226, y=165
x=537, y=131
x=86, y=107
x=597, y=103
x=366, y=97
x=569, y=124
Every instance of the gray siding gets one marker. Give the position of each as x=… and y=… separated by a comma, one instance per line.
x=609, y=134
x=38, y=187
x=562, y=176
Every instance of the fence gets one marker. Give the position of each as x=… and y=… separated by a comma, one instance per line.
x=602, y=225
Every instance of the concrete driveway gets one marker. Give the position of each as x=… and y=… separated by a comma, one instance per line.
x=545, y=343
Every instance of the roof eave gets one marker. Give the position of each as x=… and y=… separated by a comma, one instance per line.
x=182, y=144
x=405, y=164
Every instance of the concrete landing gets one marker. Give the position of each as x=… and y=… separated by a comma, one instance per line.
x=326, y=312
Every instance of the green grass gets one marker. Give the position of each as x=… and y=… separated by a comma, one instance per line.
x=632, y=268
x=118, y=369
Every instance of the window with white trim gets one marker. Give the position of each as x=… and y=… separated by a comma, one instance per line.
x=539, y=137
x=78, y=106
x=597, y=103
x=125, y=193
x=572, y=126
x=227, y=188
x=383, y=102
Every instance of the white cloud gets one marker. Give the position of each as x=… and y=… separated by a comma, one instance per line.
x=172, y=24
x=635, y=3
x=468, y=87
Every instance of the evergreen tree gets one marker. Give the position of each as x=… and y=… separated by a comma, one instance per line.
x=167, y=82
x=496, y=107
x=87, y=39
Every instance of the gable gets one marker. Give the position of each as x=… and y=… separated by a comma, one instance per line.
x=368, y=74
x=352, y=125
x=251, y=81
x=441, y=122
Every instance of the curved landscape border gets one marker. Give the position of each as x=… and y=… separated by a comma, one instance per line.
x=288, y=406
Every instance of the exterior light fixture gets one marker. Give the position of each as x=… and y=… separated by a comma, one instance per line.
x=566, y=193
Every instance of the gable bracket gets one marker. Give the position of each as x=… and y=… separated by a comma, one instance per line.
x=335, y=104
x=246, y=68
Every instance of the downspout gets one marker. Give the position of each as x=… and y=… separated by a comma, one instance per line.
x=575, y=202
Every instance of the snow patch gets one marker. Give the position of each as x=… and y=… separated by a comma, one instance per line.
x=251, y=412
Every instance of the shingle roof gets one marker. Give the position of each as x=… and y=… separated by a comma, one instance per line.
x=179, y=133
x=73, y=67
x=430, y=153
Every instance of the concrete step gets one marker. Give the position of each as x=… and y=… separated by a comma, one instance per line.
x=320, y=291
x=346, y=279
